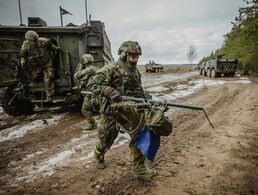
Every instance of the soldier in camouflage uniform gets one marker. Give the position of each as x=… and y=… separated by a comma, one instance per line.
x=112, y=81
x=84, y=71
x=37, y=55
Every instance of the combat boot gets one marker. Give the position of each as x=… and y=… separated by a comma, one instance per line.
x=142, y=171
x=90, y=124
x=99, y=159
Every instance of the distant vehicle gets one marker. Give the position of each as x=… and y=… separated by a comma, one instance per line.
x=219, y=67
x=19, y=95
x=153, y=67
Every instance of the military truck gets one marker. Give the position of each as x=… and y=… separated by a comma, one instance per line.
x=18, y=95
x=218, y=67
x=153, y=67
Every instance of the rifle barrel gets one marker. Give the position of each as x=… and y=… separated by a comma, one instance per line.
x=156, y=102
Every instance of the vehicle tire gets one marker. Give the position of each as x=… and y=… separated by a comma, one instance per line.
x=203, y=72
x=18, y=106
x=213, y=73
x=208, y=73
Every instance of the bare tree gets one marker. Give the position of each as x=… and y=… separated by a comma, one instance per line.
x=191, y=54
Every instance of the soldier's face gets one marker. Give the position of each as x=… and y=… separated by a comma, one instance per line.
x=33, y=42
x=133, y=59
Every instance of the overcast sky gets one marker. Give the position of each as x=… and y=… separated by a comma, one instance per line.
x=164, y=28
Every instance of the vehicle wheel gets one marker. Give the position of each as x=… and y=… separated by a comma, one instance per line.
x=208, y=73
x=17, y=106
x=203, y=72
x=213, y=73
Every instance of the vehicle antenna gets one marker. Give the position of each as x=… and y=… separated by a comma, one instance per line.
x=20, y=12
x=86, y=11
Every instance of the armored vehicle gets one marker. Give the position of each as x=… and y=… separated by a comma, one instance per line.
x=219, y=67
x=153, y=67
x=19, y=95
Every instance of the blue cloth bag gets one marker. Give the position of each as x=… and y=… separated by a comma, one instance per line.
x=147, y=142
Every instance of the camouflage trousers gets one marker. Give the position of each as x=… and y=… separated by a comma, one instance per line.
x=86, y=107
x=48, y=76
x=48, y=81
x=90, y=106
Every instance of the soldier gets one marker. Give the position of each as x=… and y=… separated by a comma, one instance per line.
x=37, y=55
x=85, y=69
x=109, y=83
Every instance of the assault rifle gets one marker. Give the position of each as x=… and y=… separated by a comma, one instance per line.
x=145, y=102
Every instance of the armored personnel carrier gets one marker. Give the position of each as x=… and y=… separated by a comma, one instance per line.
x=153, y=67
x=219, y=67
x=18, y=95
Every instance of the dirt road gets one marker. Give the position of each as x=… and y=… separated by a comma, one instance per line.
x=52, y=154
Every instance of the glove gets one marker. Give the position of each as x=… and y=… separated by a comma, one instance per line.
x=112, y=93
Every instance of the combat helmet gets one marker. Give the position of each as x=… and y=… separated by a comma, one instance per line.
x=87, y=59
x=31, y=35
x=130, y=47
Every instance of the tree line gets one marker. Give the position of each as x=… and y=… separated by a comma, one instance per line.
x=242, y=41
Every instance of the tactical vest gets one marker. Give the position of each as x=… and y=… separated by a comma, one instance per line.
x=127, y=81
x=38, y=55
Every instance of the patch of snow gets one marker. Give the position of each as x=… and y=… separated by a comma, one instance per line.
x=46, y=168
x=157, y=89
x=20, y=131
x=193, y=87
x=29, y=156
x=86, y=159
x=243, y=81
x=149, y=81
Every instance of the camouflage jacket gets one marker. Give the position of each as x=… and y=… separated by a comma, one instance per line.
x=39, y=55
x=119, y=76
x=84, y=73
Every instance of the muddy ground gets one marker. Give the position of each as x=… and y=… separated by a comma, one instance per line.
x=51, y=153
